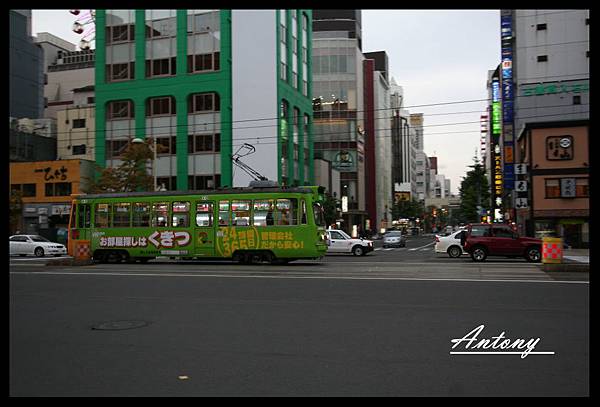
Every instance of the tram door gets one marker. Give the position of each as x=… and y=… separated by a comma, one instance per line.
x=204, y=229
x=80, y=224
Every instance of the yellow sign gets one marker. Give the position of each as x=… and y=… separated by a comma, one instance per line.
x=508, y=155
x=251, y=239
x=402, y=196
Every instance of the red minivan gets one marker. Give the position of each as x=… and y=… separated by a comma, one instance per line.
x=483, y=239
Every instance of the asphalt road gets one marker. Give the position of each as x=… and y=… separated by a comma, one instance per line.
x=371, y=326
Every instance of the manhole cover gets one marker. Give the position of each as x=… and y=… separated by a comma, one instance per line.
x=119, y=325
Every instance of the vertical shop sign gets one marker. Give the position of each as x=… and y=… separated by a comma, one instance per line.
x=506, y=30
x=496, y=151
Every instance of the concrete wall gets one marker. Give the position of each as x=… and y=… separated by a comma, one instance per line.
x=59, y=89
x=69, y=137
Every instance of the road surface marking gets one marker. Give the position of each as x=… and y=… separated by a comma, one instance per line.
x=129, y=274
x=427, y=245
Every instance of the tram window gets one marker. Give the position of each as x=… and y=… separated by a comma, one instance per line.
x=102, y=218
x=287, y=212
x=121, y=215
x=303, y=220
x=223, y=213
x=204, y=214
x=84, y=216
x=141, y=214
x=160, y=215
x=240, y=211
x=181, y=216
x=263, y=212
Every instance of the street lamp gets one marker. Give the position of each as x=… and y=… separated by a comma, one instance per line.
x=138, y=140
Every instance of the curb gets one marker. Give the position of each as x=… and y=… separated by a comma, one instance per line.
x=566, y=267
x=69, y=262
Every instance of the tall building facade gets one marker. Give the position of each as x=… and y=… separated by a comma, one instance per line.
x=202, y=83
x=404, y=152
x=423, y=176
x=339, y=122
x=69, y=71
x=26, y=72
x=546, y=54
x=378, y=144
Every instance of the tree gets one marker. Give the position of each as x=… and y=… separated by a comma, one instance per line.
x=15, y=209
x=330, y=209
x=407, y=209
x=130, y=176
x=474, y=193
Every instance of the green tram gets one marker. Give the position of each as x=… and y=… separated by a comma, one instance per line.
x=247, y=225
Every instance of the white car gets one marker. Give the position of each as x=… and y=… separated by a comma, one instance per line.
x=394, y=238
x=339, y=242
x=39, y=246
x=450, y=244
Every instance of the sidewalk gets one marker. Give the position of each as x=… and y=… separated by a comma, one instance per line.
x=576, y=255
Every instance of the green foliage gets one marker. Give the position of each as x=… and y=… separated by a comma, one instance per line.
x=474, y=192
x=130, y=176
x=330, y=209
x=407, y=209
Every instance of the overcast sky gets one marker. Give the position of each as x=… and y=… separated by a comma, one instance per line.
x=437, y=56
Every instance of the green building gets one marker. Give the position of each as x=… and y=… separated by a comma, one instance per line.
x=201, y=83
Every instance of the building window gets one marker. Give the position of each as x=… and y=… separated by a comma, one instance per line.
x=554, y=190
x=198, y=182
x=161, y=23
x=118, y=34
x=201, y=143
x=168, y=183
x=204, y=102
x=203, y=62
x=166, y=145
x=120, y=109
x=541, y=27
x=79, y=150
x=92, y=99
x=116, y=148
x=160, y=106
x=120, y=46
x=582, y=188
x=283, y=44
x=161, y=67
x=161, y=48
x=120, y=72
x=27, y=190
x=58, y=189
x=577, y=100
x=79, y=123
x=542, y=58
x=203, y=41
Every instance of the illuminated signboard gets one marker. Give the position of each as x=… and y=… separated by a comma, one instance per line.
x=507, y=98
x=552, y=88
x=496, y=114
x=495, y=91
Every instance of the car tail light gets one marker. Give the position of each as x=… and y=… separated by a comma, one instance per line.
x=437, y=238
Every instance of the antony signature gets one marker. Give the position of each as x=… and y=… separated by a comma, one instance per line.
x=495, y=345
